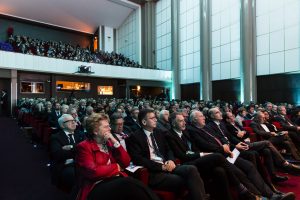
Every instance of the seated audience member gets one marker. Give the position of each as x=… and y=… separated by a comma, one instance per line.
x=295, y=116
x=211, y=165
x=268, y=131
x=241, y=115
x=234, y=128
x=148, y=147
x=288, y=125
x=271, y=155
x=54, y=115
x=269, y=109
x=118, y=130
x=251, y=112
x=62, y=151
x=79, y=126
x=64, y=109
x=100, y=161
x=163, y=121
x=132, y=120
x=82, y=109
x=89, y=111
x=218, y=138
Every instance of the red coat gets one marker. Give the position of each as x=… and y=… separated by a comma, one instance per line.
x=92, y=165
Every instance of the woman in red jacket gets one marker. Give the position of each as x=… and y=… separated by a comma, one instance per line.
x=100, y=161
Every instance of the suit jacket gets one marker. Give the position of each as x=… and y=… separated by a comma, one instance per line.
x=163, y=126
x=53, y=119
x=285, y=123
x=58, y=155
x=224, y=136
x=180, y=149
x=138, y=149
x=81, y=112
x=204, y=141
x=234, y=131
x=259, y=130
x=134, y=126
x=92, y=165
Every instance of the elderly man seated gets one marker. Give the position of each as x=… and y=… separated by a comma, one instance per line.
x=62, y=152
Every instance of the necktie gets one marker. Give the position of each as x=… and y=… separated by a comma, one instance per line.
x=71, y=140
x=155, y=147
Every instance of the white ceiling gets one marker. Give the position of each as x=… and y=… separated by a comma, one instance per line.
x=81, y=15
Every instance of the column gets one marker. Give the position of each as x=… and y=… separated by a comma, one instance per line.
x=205, y=76
x=248, y=52
x=14, y=90
x=148, y=34
x=175, y=92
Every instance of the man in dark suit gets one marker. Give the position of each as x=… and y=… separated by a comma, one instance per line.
x=212, y=165
x=62, y=152
x=207, y=140
x=269, y=152
x=234, y=128
x=163, y=121
x=148, y=147
x=82, y=109
x=288, y=125
x=132, y=120
x=54, y=115
x=268, y=131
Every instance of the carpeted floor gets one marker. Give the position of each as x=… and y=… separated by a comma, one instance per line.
x=25, y=175
x=291, y=185
x=23, y=169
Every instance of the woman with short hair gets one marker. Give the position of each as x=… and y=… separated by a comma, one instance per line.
x=100, y=161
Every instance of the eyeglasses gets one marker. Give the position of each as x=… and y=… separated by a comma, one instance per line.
x=71, y=120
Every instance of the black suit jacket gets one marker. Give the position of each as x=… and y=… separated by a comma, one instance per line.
x=203, y=141
x=259, y=130
x=134, y=126
x=58, y=155
x=53, y=119
x=179, y=148
x=227, y=138
x=284, y=121
x=234, y=131
x=137, y=147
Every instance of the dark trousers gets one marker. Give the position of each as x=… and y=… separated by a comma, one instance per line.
x=216, y=168
x=285, y=142
x=250, y=170
x=295, y=136
x=119, y=188
x=183, y=176
x=67, y=176
x=270, y=154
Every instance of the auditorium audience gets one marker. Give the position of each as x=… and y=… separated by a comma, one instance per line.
x=60, y=50
x=148, y=147
x=207, y=140
x=267, y=131
x=198, y=137
x=210, y=165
